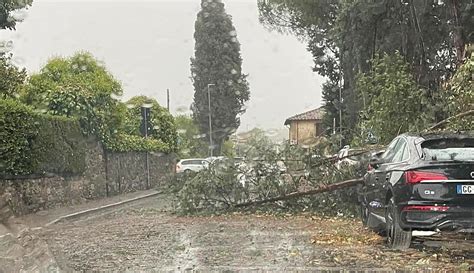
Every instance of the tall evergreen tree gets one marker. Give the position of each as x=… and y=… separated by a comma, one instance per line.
x=217, y=65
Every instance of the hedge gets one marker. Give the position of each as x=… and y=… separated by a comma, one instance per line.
x=34, y=143
x=129, y=143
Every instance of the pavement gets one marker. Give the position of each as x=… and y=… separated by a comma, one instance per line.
x=21, y=247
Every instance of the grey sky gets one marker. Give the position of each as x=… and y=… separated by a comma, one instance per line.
x=147, y=46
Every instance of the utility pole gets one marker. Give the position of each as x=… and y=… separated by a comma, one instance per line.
x=168, y=99
x=211, y=146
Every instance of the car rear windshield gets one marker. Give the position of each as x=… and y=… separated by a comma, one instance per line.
x=447, y=149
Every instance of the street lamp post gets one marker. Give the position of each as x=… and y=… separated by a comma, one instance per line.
x=211, y=146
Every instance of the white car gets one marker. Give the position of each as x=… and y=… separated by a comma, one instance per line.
x=349, y=157
x=191, y=165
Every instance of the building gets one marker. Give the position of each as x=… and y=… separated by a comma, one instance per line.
x=306, y=128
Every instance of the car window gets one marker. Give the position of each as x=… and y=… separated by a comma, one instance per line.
x=399, y=151
x=449, y=149
x=406, y=153
x=390, y=152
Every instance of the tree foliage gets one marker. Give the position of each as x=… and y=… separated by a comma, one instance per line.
x=224, y=185
x=217, y=61
x=162, y=123
x=9, y=14
x=459, y=95
x=191, y=142
x=344, y=35
x=81, y=87
x=11, y=78
x=393, y=102
x=78, y=86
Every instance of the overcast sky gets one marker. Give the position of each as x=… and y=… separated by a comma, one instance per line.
x=147, y=45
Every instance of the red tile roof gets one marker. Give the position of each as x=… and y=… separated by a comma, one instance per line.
x=315, y=114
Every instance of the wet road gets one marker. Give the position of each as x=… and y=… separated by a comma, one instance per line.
x=147, y=236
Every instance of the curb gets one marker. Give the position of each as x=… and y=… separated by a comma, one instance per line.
x=89, y=211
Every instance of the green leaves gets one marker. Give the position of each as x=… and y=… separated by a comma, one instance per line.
x=11, y=78
x=163, y=126
x=459, y=95
x=77, y=87
x=81, y=87
x=394, y=102
x=35, y=143
x=8, y=19
x=191, y=143
x=343, y=36
x=128, y=143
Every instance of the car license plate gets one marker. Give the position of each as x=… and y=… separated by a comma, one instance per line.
x=465, y=189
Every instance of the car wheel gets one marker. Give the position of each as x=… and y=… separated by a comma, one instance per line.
x=188, y=171
x=397, y=238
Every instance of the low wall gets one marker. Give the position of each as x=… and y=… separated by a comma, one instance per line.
x=106, y=174
x=127, y=172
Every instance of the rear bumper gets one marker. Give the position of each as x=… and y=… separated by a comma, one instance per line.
x=454, y=219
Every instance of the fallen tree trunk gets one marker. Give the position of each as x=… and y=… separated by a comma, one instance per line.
x=326, y=188
x=446, y=121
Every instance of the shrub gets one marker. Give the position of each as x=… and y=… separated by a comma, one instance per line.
x=33, y=143
x=129, y=143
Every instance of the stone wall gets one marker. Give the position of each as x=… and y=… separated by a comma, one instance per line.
x=127, y=172
x=106, y=174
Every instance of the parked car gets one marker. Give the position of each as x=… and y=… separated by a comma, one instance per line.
x=349, y=157
x=420, y=186
x=191, y=165
x=214, y=158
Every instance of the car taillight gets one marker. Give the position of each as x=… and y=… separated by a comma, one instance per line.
x=425, y=208
x=369, y=168
x=413, y=177
x=178, y=167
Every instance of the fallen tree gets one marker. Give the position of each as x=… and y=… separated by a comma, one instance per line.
x=321, y=189
x=448, y=120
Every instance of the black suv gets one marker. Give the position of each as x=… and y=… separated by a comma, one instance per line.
x=420, y=185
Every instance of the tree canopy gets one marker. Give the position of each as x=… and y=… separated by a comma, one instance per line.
x=12, y=78
x=190, y=141
x=78, y=86
x=217, y=65
x=10, y=14
x=162, y=124
x=343, y=36
x=393, y=102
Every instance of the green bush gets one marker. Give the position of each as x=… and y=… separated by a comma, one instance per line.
x=129, y=143
x=33, y=143
x=59, y=146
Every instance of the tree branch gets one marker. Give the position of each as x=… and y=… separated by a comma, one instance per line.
x=445, y=121
x=326, y=188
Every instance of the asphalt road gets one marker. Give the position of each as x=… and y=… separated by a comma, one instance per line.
x=148, y=236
